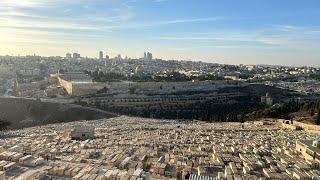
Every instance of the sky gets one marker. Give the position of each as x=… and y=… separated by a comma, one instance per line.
x=282, y=32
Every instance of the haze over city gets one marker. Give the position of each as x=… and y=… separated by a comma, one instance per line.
x=283, y=32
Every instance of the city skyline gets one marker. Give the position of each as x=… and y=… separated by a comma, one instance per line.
x=246, y=32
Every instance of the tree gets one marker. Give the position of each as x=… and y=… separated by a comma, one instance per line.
x=4, y=123
x=318, y=118
x=312, y=112
x=242, y=120
x=103, y=90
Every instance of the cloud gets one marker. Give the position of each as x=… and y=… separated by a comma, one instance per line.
x=159, y=1
x=11, y=13
x=33, y=15
x=278, y=36
x=221, y=38
x=118, y=16
x=41, y=3
x=152, y=24
x=24, y=3
x=189, y=20
x=44, y=23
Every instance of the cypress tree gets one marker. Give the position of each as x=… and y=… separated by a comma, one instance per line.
x=318, y=118
x=4, y=123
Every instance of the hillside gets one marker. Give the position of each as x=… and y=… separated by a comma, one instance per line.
x=26, y=112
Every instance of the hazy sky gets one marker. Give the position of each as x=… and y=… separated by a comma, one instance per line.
x=223, y=31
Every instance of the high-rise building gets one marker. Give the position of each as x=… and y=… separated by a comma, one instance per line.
x=147, y=56
x=68, y=55
x=106, y=59
x=76, y=55
x=101, y=55
x=119, y=57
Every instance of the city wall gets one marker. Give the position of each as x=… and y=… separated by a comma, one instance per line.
x=78, y=89
x=168, y=87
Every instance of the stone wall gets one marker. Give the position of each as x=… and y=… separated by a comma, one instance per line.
x=307, y=126
x=78, y=89
x=296, y=124
x=169, y=87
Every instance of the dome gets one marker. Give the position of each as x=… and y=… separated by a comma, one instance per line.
x=139, y=69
